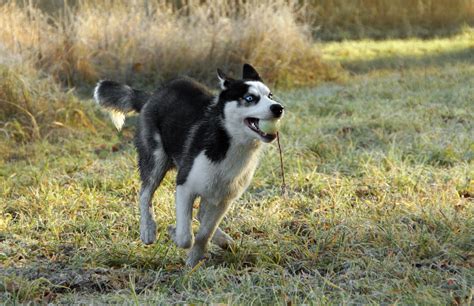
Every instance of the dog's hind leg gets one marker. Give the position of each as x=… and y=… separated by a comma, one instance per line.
x=220, y=238
x=152, y=170
x=211, y=217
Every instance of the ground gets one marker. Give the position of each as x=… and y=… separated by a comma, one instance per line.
x=379, y=205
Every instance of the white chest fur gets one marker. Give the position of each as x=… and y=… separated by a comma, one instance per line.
x=224, y=180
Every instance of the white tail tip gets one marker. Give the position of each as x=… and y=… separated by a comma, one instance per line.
x=118, y=119
x=96, y=92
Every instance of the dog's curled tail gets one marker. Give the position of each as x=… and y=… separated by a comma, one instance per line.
x=119, y=99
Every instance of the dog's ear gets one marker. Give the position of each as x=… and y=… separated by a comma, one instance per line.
x=224, y=80
x=249, y=73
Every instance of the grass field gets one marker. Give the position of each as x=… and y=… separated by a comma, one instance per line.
x=379, y=206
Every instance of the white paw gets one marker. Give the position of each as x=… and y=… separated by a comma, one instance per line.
x=184, y=241
x=195, y=256
x=223, y=240
x=148, y=231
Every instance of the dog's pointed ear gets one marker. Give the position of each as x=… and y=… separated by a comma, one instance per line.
x=249, y=73
x=224, y=80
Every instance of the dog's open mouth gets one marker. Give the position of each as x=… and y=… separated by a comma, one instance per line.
x=252, y=123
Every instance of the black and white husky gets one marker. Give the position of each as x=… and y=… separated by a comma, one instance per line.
x=212, y=141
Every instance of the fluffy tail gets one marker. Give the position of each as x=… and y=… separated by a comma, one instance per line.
x=119, y=99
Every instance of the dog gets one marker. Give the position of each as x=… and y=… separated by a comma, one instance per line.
x=213, y=141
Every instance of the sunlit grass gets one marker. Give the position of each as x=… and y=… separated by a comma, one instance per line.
x=366, y=54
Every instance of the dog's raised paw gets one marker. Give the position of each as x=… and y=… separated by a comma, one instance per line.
x=148, y=232
x=223, y=240
x=195, y=256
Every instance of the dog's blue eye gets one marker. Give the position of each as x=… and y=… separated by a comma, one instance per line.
x=249, y=98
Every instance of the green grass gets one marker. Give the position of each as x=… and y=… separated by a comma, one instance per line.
x=362, y=56
x=379, y=207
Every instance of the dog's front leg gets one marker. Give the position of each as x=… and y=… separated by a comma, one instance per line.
x=220, y=238
x=210, y=219
x=182, y=235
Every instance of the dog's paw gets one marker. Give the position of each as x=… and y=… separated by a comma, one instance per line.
x=222, y=240
x=148, y=232
x=195, y=256
x=184, y=241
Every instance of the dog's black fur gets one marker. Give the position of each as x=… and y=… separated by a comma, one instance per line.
x=183, y=120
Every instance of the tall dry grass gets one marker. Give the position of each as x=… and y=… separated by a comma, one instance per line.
x=76, y=43
x=34, y=107
x=143, y=42
x=149, y=41
x=341, y=19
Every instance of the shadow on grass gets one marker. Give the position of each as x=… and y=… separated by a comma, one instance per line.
x=330, y=33
x=397, y=62
x=45, y=281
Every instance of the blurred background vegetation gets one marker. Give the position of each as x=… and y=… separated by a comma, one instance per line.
x=339, y=19
x=145, y=41
x=48, y=47
x=380, y=19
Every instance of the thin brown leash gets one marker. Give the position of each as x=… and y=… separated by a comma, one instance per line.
x=283, y=186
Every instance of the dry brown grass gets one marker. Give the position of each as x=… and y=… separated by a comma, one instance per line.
x=340, y=19
x=148, y=41
x=138, y=42
x=34, y=107
x=43, y=43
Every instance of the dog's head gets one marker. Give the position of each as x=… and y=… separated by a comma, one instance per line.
x=245, y=102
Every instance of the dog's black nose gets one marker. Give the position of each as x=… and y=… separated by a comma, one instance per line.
x=277, y=110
